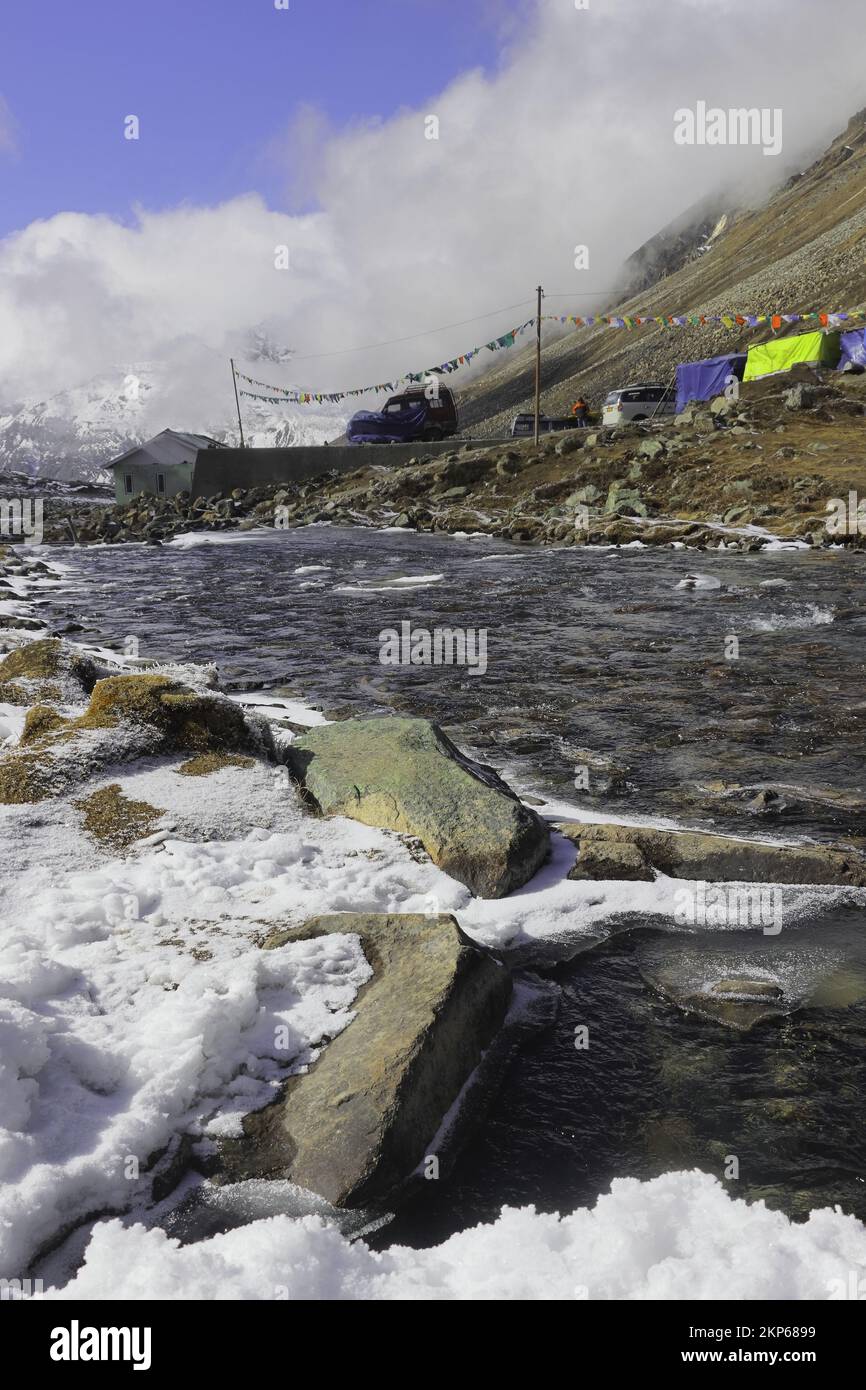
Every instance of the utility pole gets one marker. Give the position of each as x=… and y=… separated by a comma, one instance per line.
x=538, y=366
x=237, y=402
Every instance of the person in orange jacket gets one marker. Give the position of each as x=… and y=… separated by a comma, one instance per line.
x=580, y=410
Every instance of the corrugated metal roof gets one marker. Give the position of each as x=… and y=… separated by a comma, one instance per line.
x=198, y=441
x=168, y=448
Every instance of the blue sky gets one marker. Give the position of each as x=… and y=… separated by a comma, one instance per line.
x=214, y=83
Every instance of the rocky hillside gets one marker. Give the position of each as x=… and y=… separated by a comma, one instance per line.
x=802, y=250
x=688, y=237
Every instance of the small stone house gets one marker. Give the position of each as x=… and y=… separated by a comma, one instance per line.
x=161, y=467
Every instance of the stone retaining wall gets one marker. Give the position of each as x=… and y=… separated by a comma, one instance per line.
x=220, y=470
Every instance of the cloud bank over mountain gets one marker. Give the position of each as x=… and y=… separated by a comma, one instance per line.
x=569, y=142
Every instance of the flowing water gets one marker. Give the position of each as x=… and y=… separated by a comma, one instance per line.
x=720, y=689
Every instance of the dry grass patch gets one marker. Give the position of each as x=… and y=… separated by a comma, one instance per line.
x=203, y=764
x=116, y=821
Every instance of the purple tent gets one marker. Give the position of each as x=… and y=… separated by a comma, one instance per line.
x=700, y=381
x=853, y=350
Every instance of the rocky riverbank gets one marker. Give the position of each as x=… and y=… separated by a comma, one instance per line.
x=293, y=944
x=730, y=472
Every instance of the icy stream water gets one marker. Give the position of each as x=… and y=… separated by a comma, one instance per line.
x=617, y=661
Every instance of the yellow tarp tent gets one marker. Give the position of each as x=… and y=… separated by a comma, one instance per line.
x=810, y=349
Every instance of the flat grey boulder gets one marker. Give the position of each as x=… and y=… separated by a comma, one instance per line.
x=638, y=852
x=362, y=1118
x=406, y=775
x=735, y=1002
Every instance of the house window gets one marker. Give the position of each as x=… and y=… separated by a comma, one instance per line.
x=127, y=482
x=160, y=482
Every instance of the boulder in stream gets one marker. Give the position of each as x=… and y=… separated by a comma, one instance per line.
x=355, y=1125
x=638, y=852
x=406, y=775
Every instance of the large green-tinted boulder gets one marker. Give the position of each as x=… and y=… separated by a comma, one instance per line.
x=355, y=1125
x=406, y=775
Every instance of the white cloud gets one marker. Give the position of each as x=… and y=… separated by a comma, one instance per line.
x=570, y=141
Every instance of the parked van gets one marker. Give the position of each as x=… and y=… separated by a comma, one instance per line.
x=640, y=402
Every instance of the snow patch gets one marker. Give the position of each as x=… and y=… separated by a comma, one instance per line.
x=679, y=1237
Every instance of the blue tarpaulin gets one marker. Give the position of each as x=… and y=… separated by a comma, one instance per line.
x=853, y=349
x=700, y=381
x=375, y=427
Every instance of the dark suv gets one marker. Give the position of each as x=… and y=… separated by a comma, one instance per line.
x=523, y=425
x=411, y=415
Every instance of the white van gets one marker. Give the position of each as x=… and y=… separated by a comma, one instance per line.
x=644, y=401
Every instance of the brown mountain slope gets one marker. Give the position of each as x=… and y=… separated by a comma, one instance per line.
x=804, y=250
